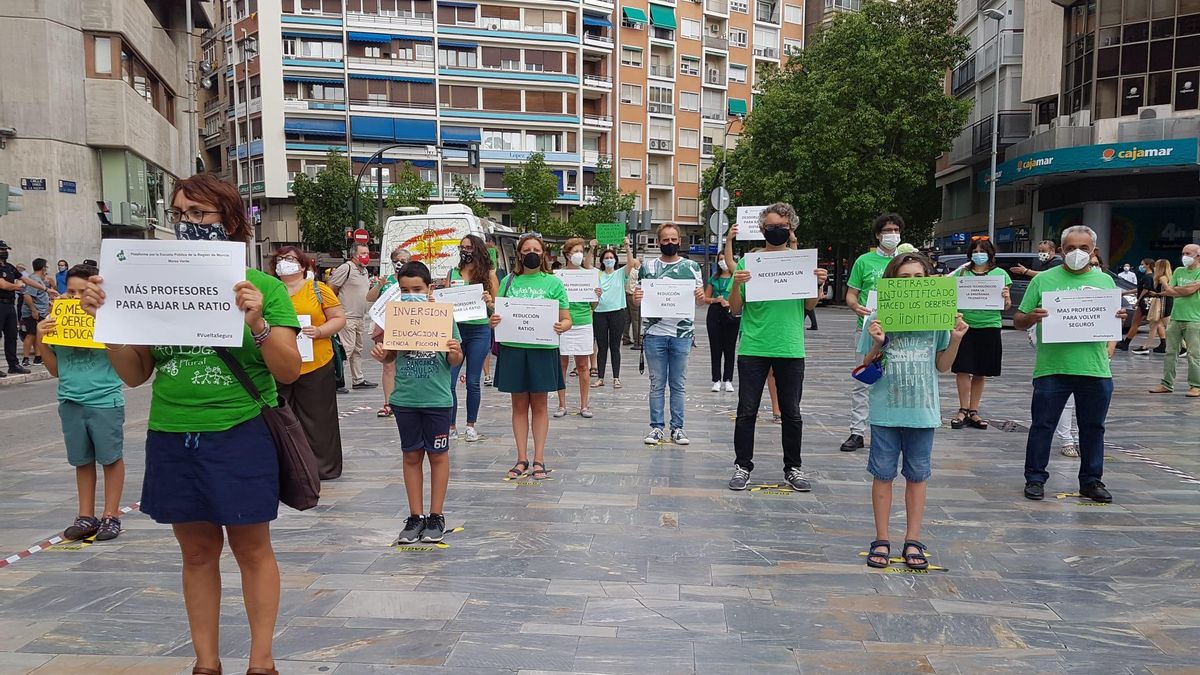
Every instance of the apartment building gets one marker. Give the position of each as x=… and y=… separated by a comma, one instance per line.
x=94, y=104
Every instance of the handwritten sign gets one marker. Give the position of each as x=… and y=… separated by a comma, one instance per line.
x=781, y=275
x=748, y=226
x=379, y=309
x=668, y=299
x=303, y=342
x=610, y=234
x=920, y=303
x=581, y=284
x=467, y=300
x=73, y=327
x=165, y=292
x=418, y=326
x=986, y=292
x=527, y=321
x=1081, y=316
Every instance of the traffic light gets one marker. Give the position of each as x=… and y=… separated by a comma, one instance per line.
x=10, y=196
x=473, y=154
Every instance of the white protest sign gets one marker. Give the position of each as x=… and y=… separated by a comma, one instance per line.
x=467, y=300
x=668, y=299
x=303, y=342
x=1081, y=316
x=985, y=292
x=378, y=310
x=527, y=321
x=781, y=275
x=581, y=284
x=166, y=292
x=747, y=223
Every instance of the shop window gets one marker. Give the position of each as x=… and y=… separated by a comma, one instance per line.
x=1133, y=95
x=1187, y=84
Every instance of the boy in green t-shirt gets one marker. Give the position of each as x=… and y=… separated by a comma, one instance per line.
x=421, y=403
x=91, y=405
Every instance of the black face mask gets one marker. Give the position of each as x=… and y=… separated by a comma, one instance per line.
x=531, y=261
x=466, y=256
x=776, y=236
x=669, y=250
x=3, y=255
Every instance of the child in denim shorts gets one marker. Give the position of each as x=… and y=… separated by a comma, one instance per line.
x=905, y=410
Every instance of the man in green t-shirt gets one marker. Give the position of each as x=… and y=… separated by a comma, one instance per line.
x=1064, y=369
x=1185, y=323
x=860, y=297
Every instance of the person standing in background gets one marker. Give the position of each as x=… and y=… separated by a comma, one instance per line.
x=722, y=325
x=351, y=281
x=60, y=279
x=1158, y=315
x=611, y=312
x=35, y=305
x=11, y=286
x=400, y=257
x=1184, y=326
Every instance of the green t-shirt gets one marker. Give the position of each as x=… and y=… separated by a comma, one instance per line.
x=457, y=280
x=539, y=286
x=86, y=377
x=1089, y=359
x=683, y=268
x=771, y=327
x=984, y=318
x=722, y=286
x=423, y=379
x=194, y=390
x=907, y=394
x=865, y=275
x=1186, y=308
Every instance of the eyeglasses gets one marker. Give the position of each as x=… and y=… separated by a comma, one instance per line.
x=980, y=237
x=289, y=257
x=193, y=215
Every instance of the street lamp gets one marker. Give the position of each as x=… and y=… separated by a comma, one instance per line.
x=997, y=16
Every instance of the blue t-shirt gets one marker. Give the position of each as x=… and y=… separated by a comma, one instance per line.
x=907, y=394
x=612, y=287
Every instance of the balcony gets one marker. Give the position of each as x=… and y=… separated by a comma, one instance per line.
x=598, y=81
x=963, y=77
x=975, y=142
x=766, y=15
x=767, y=52
x=600, y=4
x=410, y=20
x=213, y=106
x=713, y=114
x=384, y=63
x=656, y=177
x=603, y=121
x=1158, y=129
x=307, y=105
x=597, y=39
x=716, y=6
x=715, y=77
x=358, y=103
x=593, y=157
x=662, y=71
x=660, y=108
x=240, y=110
x=660, y=145
x=841, y=6
x=717, y=42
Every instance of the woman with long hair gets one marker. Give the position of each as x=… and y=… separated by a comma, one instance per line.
x=612, y=312
x=980, y=354
x=1159, y=314
x=580, y=340
x=313, y=396
x=722, y=326
x=474, y=267
x=211, y=465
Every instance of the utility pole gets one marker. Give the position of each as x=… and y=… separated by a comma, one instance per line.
x=997, y=16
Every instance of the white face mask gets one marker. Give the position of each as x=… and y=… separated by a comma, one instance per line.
x=286, y=268
x=1078, y=259
x=722, y=265
x=890, y=240
x=576, y=258
x=1043, y=256
x=1188, y=260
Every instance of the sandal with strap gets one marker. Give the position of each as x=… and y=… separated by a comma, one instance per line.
x=874, y=557
x=385, y=411
x=518, y=469
x=199, y=670
x=262, y=671
x=960, y=419
x=915, y=561
x=975, y=420
x=539, y=474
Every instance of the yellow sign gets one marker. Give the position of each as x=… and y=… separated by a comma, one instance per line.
x=72, y=326
x=418, y=326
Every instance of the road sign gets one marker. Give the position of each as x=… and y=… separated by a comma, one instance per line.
x=361, y=236
x=33, y=184
x=718, y=223
x=719, y=198
x=66, y=186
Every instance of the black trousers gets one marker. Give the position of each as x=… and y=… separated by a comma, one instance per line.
x=722, y=341
x=8, y=326
x=789, y=384
x=811, y=314
x=609, y=327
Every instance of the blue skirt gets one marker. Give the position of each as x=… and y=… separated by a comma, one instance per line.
x=226, y=477
x=520, y=370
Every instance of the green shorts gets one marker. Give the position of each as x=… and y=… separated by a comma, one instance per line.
x=92, y=434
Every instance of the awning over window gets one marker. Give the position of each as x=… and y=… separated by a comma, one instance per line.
x=366, y=76
x=407, y=131
x=634, y=15
x=374, y=38
x=457, y=45
x=414, y=38
x=596, y=21
x=415, y=132
x=737, y=106
x=394, y=78
x=312, y=36
x=662, y=16
x=312, y=80
x=444, y=3
x=372, y=128
x=313, y=127
x=459, y=135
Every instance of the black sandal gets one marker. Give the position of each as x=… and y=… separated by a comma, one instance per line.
x=886, y=555
x=975, y=420
x=518, y=469
x=915, y=561
x=544, y=473
x=957, y=422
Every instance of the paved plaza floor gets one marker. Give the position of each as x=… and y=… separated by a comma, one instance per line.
x=636, y=559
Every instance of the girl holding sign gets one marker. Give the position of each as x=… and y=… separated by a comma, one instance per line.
x=531, y=371
x=981, y=352
x=579, y=342
x=474, y=267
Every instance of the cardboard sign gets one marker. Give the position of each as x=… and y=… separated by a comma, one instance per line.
x=918, y=303
x=610, y=234
x=668, y=299
x=303, y=342
x=166, y=292
x=1082, y=316
x=467, y=300
x=418, y=326
x=985, y=292
x=749, y=229
x=379, y=309
x=581, y=284
x=781, y=275
x=73, y=327
x=527, y=321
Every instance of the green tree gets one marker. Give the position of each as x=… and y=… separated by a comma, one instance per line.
x=852, y=125
x=604, y=206
x=468, y=195
x=409, y=190
x=324, y=205
x=533, y=190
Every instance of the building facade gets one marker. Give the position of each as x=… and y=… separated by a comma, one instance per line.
x=95, y=108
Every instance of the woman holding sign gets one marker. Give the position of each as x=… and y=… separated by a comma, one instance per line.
x=313, y=396
x=211, y=464
x=528, y=370
x=979, y=355
x=611, y=312
x=579, y=342
x=474, y=267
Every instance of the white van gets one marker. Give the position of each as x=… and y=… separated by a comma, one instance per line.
x=433, y=237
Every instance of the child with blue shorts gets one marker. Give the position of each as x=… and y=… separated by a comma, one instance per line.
x=421, y=403
x=905, y=411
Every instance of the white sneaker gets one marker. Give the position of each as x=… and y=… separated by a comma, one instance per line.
x=655, y=436
x=1069, y=450
x=728, y=386
x=453, y=434
x=716, y=386
x=471, y=435
x=679, y=437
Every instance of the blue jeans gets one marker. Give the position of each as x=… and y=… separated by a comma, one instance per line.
x=666, y=359
x=1050, y=394
x=476, y=342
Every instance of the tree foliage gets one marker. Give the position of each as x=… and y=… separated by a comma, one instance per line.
x=409, y=190
x=533, y=190
x=324, y=205
x=468, y=195
x=603, y=207
x=851, y=126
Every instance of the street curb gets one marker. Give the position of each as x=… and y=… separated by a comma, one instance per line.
x=37, y=376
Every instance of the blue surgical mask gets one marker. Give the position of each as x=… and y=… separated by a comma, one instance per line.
x=979, y=258
x=200, y=231
x=610, y=263
x=1142, y=269
x=413, y=297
